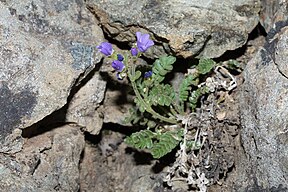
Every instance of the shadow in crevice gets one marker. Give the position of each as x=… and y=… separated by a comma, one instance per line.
x=120, y=86
x=234, y=54
x=58, y=118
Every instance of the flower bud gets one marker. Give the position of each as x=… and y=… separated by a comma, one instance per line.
x=134, y=51
x=148, y=74
x=120, y=57
x=118, y=65
x=105, y=48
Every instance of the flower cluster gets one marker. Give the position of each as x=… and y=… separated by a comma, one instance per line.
x=143, y=43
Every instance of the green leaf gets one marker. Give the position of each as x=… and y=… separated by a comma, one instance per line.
x=185, y=87
x=159, y=144
x=166, y=143
x=193, y=145
x=234, y=65
x=161, y=67
x=157, y=78
x=141, y=139
x=167, y=62
x=151, y=124
x=205, y=66
x=140, y=105
x=195, y=95
x=135, y=76
x=161, y=95
x=133, y=117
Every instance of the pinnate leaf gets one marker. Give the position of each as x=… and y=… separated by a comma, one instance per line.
x=205, y=66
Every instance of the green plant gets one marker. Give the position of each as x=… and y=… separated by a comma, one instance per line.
x=160, y=107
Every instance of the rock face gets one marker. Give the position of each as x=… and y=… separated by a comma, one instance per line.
x=272, y=12
x=263, y=164
x=83, y=109
x=47, y=50
x=44, y=48
x=112, y=167
x=48, y=162
x=184, y=28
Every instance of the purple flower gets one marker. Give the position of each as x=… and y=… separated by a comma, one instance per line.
x=105, y=48
x=118, y=65
x=120, y=57
x=134, y=51
x=143, y=41
x=148, y=74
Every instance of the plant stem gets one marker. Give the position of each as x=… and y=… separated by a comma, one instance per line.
x=147, y=107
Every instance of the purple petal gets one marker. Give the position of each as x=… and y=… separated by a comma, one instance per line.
x=118, y=65
x=148, y=74
x=149, y=43
x=143, y=41
x=134, y=51
x=105, y=48
x=138, y=35
x=144, y=38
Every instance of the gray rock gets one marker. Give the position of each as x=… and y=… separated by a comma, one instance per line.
x=49, y=162
x=273, y=12
x=46, y=47
x=58, y=167
x=147, y=183
x=83, y=108
x=13, y=143
x=110, y=167
x=116, y=106
x=263, y=164
x=10, y=180
x=183, y=28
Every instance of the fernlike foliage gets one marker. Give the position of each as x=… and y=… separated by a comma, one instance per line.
x=161, y=67
x=160, y=96
x=158, y=105
x=163, y=95
x=205, y=66
x=195, y=95
x=159, y=144
x=185, y=87
x=166, y=142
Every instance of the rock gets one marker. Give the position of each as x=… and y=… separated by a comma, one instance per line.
x=263, y=164
x=48, y=162
x=58, y=167
x=46, y=48
x=82, y=108
x=147, y=183
x=273, y=12
x=183, y=28
x=112, y=166
x=116, y=106
x=13, y=143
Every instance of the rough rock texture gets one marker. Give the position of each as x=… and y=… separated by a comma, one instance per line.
x=47, y=51
x=113, y=167
x=44, y=48
x=183, y=28
x=272, y=12
x=263, y=164
x=48, y=162
x=83, y=109
x=116, y=106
